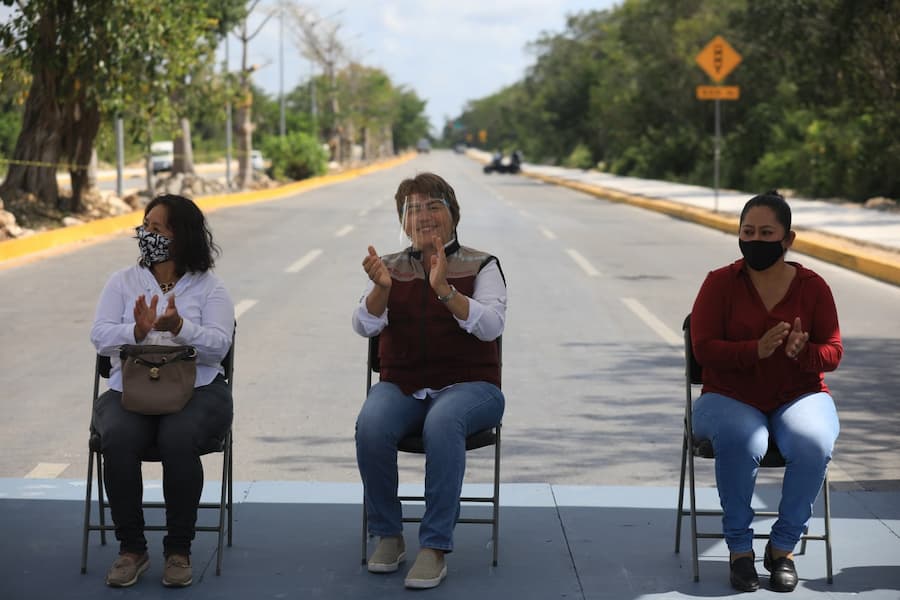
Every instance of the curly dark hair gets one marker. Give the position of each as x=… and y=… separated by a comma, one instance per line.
x=192, y=249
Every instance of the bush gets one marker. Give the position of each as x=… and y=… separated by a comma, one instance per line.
x=295, y=156
x=580, y=158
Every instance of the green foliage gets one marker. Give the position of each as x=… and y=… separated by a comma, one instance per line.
x=295, y=156
x=580, y=158
x=131, y=57
x=819, y=85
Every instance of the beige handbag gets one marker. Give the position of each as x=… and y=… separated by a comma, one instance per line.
x=157, y=380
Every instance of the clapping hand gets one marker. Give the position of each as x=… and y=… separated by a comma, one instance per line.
x=144, y=316
x=796, y=340
x=376, y=270
x=772, y=339
x=437, y=275
x=170, y=320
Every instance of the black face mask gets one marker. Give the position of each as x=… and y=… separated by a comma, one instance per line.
x=760, y=255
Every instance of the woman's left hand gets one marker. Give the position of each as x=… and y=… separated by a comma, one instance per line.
x=437, y=276
x=170, y=320
x=796, y=340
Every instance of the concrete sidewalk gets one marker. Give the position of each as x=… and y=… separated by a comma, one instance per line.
x=860, y=239
x=302, y=540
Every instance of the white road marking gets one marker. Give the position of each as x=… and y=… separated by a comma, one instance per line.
x=526, y=214
x=582, y=262
x=547, y=233
x=343, y=231
x=363, y=212
x=661, y=329
x=243, y=306
x=47, y=470
x=304, y=261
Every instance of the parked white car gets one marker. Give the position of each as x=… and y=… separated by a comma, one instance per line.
x=257, y=160
x=162, y=155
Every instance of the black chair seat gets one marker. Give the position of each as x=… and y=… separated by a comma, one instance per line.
x=482, y=439
x=215, y=444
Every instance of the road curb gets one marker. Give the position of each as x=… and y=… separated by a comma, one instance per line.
x=850, y=254
x=66, y=236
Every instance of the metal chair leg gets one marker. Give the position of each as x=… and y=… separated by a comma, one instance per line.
x=222, y=508
x=230, y=485
x=101, y=503
x=496, y=500
x=827, y=501
x=679, y=515
x=693, y=495
x=365, y=530
x=87, y=512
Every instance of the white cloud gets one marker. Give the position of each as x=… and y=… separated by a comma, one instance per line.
x=448, y=51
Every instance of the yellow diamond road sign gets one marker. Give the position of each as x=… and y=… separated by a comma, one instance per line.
x=718, y=59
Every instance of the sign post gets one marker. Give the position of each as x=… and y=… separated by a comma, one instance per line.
x=718, y=59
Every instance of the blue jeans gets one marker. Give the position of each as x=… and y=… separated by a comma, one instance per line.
x=804, y=430
x=387, y=416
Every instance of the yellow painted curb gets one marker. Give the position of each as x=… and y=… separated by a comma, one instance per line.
x=883, y=265
x=56, y=238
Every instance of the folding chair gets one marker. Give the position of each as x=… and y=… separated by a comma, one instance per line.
x=224, y=445
x=415, y=445
x=692, y=447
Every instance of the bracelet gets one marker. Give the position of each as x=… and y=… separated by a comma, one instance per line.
x=449, y=296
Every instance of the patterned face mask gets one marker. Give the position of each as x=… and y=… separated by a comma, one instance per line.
x=154, y=246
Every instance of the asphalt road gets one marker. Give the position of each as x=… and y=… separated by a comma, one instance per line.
x=592, y=350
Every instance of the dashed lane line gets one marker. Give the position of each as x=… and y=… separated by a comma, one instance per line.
x=304, y=261
x=343, y=231
x=582, y=262
x=47, y=471
x=243, y=306
x=661, y=329
x=547, y=233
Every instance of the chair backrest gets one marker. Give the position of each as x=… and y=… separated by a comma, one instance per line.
x=693, y=371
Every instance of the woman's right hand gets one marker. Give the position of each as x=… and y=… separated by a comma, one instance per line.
x=772, y=339
x=144, y=316
x=376, y=270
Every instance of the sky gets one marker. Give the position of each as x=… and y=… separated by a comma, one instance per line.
x=447, y=51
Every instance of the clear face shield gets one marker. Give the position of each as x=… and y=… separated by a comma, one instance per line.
x=424, y=219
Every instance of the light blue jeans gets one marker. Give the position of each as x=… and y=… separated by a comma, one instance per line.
x=804, y=430
x=387, y=416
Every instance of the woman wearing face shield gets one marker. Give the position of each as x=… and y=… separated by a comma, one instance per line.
x=170, y=297
x=765, y=331
x=439, y=308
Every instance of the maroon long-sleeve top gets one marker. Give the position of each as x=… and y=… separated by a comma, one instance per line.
x=729, y=318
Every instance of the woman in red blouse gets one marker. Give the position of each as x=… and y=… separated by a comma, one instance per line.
x=765, y=330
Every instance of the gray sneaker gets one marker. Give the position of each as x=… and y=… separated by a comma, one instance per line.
x=177, y=572
x=126, y=569
x=428, y=571
x=389, y=553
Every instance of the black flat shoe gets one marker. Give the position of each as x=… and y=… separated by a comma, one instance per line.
x=743, y=574
x=783, y=574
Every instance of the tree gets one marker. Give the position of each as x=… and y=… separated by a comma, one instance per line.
x=244, y=122
x=87, y=63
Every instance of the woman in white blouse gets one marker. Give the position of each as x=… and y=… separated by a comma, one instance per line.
x=170, y=297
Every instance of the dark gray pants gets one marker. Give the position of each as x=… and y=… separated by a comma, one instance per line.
x=180, y=438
